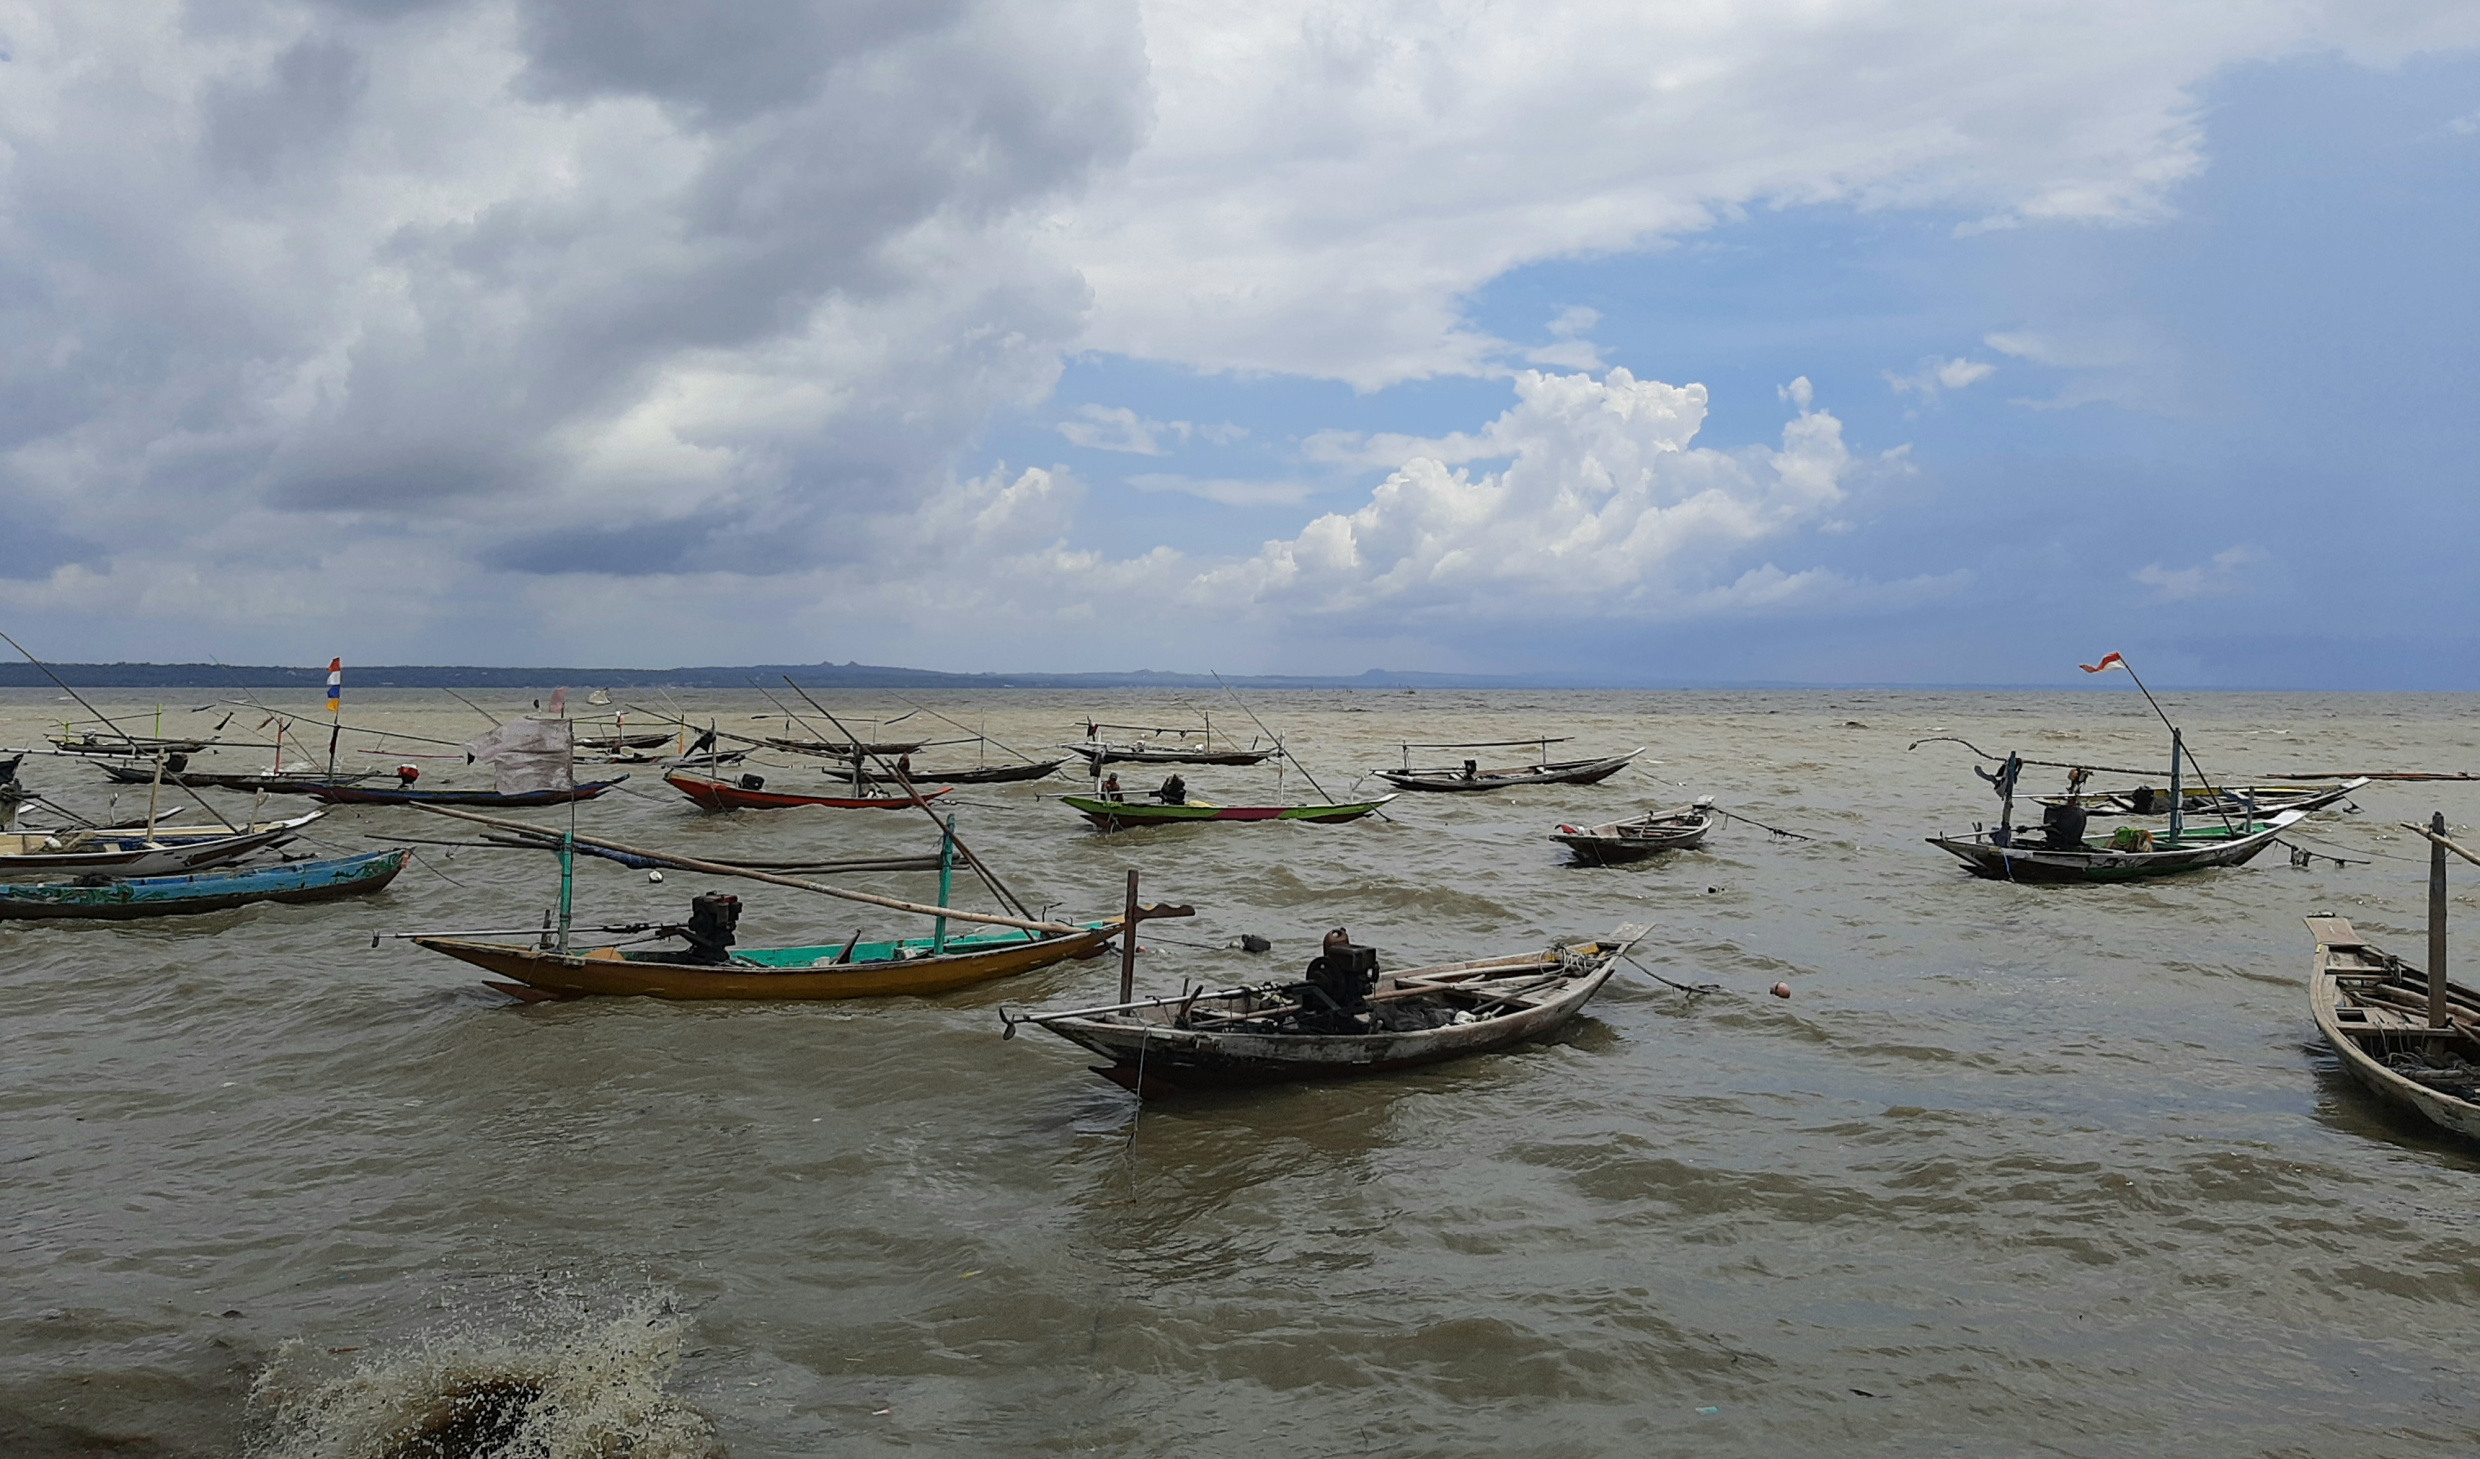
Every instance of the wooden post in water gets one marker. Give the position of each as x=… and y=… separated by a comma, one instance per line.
x=947, y=877
x=2436, y=920
x=2177, y=800
x=1128, y=945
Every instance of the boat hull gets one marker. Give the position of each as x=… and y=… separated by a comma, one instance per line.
x=2370, y=1007
x=357, y=795
x=605, y=973
x=978, y=775
x=1113, y=815
x=723, y=795
x=1123, y=755
x=1601, y=846
x=1153, y=1055
x=272, y=783
x=128, y=898
x=133, y=853
x=1454, y=782
x=2041, y=864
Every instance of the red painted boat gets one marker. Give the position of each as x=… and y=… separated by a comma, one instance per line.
x=749, y=793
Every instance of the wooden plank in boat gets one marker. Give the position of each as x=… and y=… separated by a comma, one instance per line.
x=2334, y=932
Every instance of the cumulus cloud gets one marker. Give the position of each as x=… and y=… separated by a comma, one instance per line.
x=2225, y=574
x=1325, y=183
x=1934, y=375
x=1604, y=507
x=523, y=286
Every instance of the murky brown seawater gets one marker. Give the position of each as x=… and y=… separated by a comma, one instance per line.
x=2017, y=1170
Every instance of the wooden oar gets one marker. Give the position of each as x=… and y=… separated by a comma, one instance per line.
x=717, y=868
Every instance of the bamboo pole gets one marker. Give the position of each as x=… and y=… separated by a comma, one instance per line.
x=2437, y=1004
x=717, y=868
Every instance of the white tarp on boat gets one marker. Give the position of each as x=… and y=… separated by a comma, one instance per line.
x=528, y=755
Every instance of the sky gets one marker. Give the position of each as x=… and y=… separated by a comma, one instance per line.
x=1787, y=340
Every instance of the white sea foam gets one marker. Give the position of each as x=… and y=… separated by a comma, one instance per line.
x=585, y=1390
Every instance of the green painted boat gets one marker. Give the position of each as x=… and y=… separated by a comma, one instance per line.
x=97, y=896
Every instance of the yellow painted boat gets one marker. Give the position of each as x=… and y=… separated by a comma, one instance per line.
x=910, y=968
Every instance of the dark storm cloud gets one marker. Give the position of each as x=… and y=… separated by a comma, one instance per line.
x=359, y=262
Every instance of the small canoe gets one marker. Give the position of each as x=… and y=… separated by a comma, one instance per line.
x=645, y=740
x=273, y=782
x=140, y=746
x=843, y=750
x=912, y=967
x=1098, y=755
x=1681, y=828
x=1265, y=1035
x=1119, y=815
x=741, y=795
x=135, y=851
x=123, y=898
x=2373, y=1008
x=2026, y=857
x=976, y=775
x=402, y=795
x=1471, y=777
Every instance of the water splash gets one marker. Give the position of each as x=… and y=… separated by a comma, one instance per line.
x=592, y=1391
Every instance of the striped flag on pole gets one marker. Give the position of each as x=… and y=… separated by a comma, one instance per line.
x=335, y=686
x=2108, y=662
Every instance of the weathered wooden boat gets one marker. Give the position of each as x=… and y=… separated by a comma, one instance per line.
x=913, y=967
x=407, y=795
x=840, y=749
x=1681, y=828
x=2376, y=1011
x=1275, y=1032
x=749, y=793
x=87, y=742
x=2027, y=854
x=96, y=896
x=1097, y=754
x=2226, y=800
x=273, y=782
x=644, y=740
x=137, y=851
x=1470, y=776
x=974, y=775
x=1120, y=815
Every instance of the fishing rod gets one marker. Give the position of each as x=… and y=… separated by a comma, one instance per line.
x=717, y=868
x=1278, y=743
x=989, y=878
x=124, y=734
x=968, y=729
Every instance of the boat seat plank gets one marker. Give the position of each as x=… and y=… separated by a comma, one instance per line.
x=2334, y=932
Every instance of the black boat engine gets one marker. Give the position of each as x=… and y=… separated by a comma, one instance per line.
x=1341, y=977
x=712, y=917
x=753, y=782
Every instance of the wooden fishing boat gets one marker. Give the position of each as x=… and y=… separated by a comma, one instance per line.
x=1119, y=815
x=1470, y=776
x=839, y=749
x=913, y=967
x=644, y=740
x=124, y=898
x=137, y=851
x=1274, y=1032
x=2025, y=855
x=406, y=795
x=975, y=775
x=1681, y=828
x=1097, y=755
x=87, y=742
x=2375, y=1010
x=273, y=782
x=717, y=794
x=2227, y=800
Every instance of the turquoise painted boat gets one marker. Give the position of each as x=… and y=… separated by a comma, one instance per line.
x=121, y=898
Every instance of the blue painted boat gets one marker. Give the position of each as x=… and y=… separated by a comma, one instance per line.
x=205, y=891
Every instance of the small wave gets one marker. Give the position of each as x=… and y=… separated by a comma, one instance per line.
x=599, y=1392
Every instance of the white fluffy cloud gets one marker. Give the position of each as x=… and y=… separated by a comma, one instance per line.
x=648, y=317
x=1326, y=182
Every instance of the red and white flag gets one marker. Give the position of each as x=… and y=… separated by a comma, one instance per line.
x=2108, y=662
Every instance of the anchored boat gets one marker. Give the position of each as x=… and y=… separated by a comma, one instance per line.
x=1681, y=828
x=1344, y=1019
x=125, y=898
x=1120, y=815
x=749, y=793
